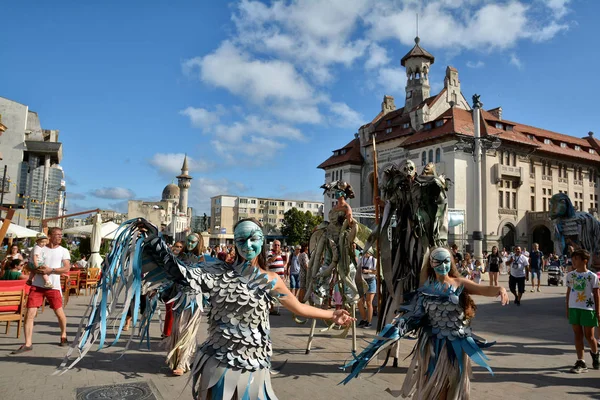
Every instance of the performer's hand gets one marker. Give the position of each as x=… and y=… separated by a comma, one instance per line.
x=503, y=296
x=342, y=317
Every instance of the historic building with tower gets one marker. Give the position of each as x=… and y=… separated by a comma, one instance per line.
x=171, y=213
x=518, y=178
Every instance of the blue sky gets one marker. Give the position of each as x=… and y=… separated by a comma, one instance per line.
x=259, y=93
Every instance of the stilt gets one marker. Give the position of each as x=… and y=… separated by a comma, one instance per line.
x=311, y=335
x=354, y=328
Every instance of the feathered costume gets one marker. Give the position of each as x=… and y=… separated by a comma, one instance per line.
x=443, y=349
x=235, y=360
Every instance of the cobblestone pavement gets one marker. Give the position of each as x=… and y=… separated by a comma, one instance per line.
x=531, y=359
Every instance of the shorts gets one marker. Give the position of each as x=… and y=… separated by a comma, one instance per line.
x=37, y=295
x=577, y=316
x=294, y=281
x=513, y=283
x=372, y=285
x=494, y=268
x=536, y=273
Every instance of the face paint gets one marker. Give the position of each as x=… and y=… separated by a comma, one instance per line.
x=441, y=261
x=249, y=240
x=192, y=242
x=339, y=194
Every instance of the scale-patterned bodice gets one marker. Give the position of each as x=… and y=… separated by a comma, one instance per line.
x=239, y=330
x=445, y=313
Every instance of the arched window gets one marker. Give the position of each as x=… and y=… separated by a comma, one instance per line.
x=501, y=157
x=514, y=159
x=438, y=155
x=431, y=156
x=423, y=158
x=507, y=158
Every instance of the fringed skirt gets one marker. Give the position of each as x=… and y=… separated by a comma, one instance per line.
x=214, y=380
x=430, y=375
x=182, y=342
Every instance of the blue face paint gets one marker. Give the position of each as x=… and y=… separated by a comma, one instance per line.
x=339, y=194
x=192, y=242
x=249, y=240
x=441, y=261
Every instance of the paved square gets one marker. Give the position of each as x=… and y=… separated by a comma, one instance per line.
x=531, y=358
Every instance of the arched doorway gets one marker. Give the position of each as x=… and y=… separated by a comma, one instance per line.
x=543, y=237
x=507, y=239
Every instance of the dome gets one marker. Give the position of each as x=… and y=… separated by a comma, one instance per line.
x=170, y=192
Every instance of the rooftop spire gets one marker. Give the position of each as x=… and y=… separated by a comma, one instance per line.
x=184, y=167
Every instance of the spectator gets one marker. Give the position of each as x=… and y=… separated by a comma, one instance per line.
x=13, y=271
x=82, y=263
x=303, y=259
x=583, y=308
x=518, y=274
x=367, y=264
x=177, y=248
x=457, y=256
x=14, y=254
x=294, y=271
x=536, y=264
x=493, y=265
x=57, y=263
x=275, y=263
x=477, y=272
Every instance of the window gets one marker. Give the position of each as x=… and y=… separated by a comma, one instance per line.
x=272, y=212
x=430, y=158
x=309, y=205
x=336, y=153
x=532, y=204
x=388, y=130
x=253, y=201
x=592, y=151
x=243, y=210
x=507, y=158
x=547, y=141
x=280, y=212
x=549, y=169
x=514, y=159
x=438, y=155
x=340, y=175
x=281, y=220
x=406, y=125
x=409, y=94
x=253, y=211
x=290, y=204
x=439, y=123
x=282, y=203
x=499, y=125
x=507, y=195
x=389, y=122
x=427, y=126
x=509, y=127
x=531, y=167
x=218, y=210
x=563, y=145
x=343, y=151
x=514, y=200
x=501, y=199
x=532, y=189
x=578, y=148
x=530, y=137
x=262, y=202
x=272, y=220
x=243, y=201
x=423, y=158
x=273, y=203
x=300, y=205
x=580, y=174
x=501, y=154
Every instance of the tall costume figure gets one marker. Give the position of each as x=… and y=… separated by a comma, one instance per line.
x=440, y=314
x=573, y=228
x=234, y=362
x=181, y=344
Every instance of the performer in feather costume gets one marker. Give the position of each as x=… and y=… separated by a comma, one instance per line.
x=234, y=362
x=440, y=313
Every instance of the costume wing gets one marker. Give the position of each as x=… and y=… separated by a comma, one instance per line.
x=139, y=263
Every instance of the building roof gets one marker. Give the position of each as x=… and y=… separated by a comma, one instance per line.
x=417, y=51
x=349, y=154
x=171, y=191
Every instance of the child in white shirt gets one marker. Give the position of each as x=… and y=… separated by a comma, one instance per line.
x=37, y=261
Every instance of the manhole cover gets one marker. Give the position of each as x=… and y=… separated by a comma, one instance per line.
x=125, y=391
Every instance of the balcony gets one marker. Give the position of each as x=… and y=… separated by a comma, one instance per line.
x=547, y=178
x=506, y=171
x=563, y=180
x=536, y=216
x=578, y=183
x=507, y=211
x=532, y=175
x=593, y=185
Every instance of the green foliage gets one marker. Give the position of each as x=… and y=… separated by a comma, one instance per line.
x=298, y=226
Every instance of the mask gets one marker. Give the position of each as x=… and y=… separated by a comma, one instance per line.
x=192, y=242
x=441, y=261
x=339, y=194
x=249, y=240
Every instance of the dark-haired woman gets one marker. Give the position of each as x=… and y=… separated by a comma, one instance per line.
x=441, y=314
x=494, y=259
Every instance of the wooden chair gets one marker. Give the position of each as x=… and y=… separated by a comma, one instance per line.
x=90, y=280
x=12, y=306
x=75, y=278
x=65, y=287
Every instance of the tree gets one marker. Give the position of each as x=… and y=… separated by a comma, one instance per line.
x=298, y=226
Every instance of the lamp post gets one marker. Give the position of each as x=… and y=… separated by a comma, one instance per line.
x=477, y=145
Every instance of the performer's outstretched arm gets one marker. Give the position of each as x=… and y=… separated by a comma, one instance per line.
x=484, y=290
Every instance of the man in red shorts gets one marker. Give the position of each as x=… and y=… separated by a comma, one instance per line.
x=56, y=260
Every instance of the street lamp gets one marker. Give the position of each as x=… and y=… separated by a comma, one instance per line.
x=477, y=145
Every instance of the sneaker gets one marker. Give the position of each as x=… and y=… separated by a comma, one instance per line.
x=361, y=323
x=532, y=290
x=539, y=290
x=579, y=367
x=367, y=325
x=595, y=360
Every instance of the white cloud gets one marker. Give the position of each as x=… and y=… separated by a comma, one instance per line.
x=171, y=163
x=113, y=193
x=393, y=79
x=377, y=57
x=477, y=64
x=201, y=118
x=514, y=60
x=559, y=7
x=345, y=116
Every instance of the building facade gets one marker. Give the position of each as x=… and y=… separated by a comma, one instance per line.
x=35, y=182
x=518, y=178
x=227, y=210
x=171, y=214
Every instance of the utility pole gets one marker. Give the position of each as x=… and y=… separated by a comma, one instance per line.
x=3, y=183
x=477, y=200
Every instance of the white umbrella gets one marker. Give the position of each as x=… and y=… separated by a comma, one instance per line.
x=107, y=230
x=18, y=231
x=95, y=260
